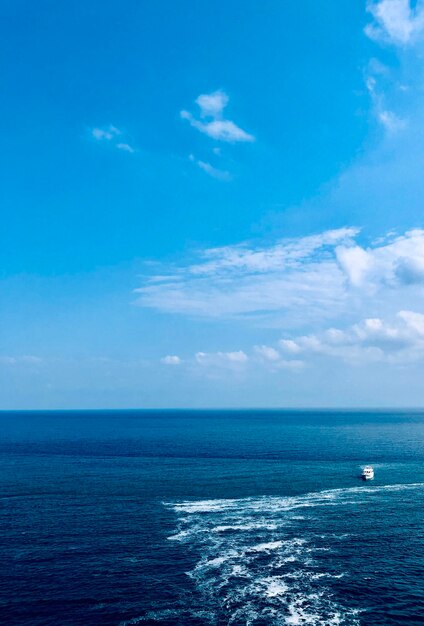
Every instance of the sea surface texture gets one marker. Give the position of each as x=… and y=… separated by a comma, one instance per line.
x=211, y=518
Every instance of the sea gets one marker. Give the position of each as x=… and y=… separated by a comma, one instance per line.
x=211, y=518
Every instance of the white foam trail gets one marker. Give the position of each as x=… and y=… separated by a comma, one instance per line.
x=327, y=497
x=266, y=547
x=205, y=506
x=215, y=562
x=183, y=534
x=258, y=560
x=242, y=527
x=275, y=586
x=239, y=570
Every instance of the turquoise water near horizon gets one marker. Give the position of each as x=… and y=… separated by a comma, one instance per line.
x=211, y=517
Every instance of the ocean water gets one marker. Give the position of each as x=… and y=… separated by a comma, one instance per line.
x=211, y=518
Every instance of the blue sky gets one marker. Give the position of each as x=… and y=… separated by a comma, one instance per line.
x=212, y=206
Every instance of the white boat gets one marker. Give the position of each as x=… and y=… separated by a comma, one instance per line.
x=367, y=473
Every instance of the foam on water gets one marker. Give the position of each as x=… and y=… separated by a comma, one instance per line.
x=265, y=547
x=242, y=527
x=261, y=562
x=275, y=586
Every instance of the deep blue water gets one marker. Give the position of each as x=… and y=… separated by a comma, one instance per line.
x=211, y=518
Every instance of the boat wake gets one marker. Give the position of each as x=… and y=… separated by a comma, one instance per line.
x=274, y=560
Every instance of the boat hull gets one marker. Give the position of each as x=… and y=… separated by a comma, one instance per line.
x=367, y=473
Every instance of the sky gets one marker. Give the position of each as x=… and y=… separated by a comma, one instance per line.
x=212, y=205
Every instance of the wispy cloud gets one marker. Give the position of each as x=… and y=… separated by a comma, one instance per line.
x=212, y=122
x=396, y=21
x=20, y=360
x=211, y=170
x=108, y=133
x=400, y=23
x=295, y=282
x=125, y=147
x=391, y=121
x=388, y=119
x=243, y=280
x=112, y=134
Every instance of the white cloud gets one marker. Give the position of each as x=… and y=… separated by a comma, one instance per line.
x=414, y=321
x=171, y=360
x=221, y=130
x=263, y=357
x=295, y=282
x=294, y=365
x=31, y=359
x=397, y=262
x=108, y=133
x=388, y=119
x=285, y=254
x=395, y=21
x=268, y=353
x=372, y=339
x=290, y=346
x=391, y=121
x=221, y=358
x=212, y=106
x=111, y=133
x=243, y=280
x=125, y=147
x=211, y=170
x=410, y=269
x=272, y=358
x=236, y=357
x=20, y=360
x=355, y=262
x=8, y=360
